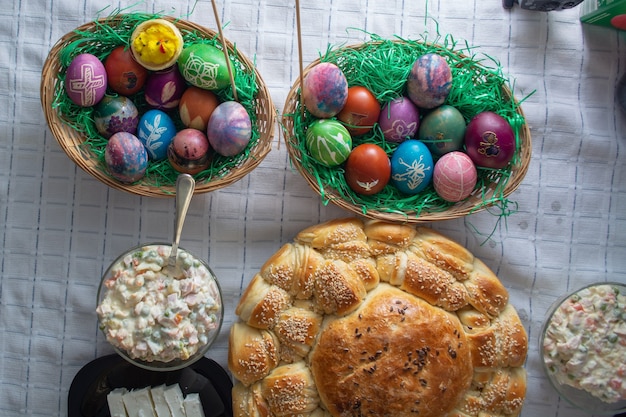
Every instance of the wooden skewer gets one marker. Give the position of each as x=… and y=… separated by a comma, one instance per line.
x=299, y=28
x=228, y=64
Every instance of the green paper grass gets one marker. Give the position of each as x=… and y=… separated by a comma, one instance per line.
x=115, y=31
x=383, y=66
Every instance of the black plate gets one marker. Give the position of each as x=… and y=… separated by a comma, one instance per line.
x=89, y=389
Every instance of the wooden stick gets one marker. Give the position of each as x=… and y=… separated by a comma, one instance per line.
x=299, y=27
x=228, y=64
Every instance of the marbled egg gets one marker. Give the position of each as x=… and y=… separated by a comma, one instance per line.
x=204, y=66
x=367, y=169
x=116, y=114
x=85, y=80
x=399, y=119
x=325, y=90
x=164, y=89
x=454, y=176
x=190, y=151
x=328, y=142
x=411, y=167
x=125, y=157
x=229, y=129
x=442, y=130
x=196, y=106
x=489, y=140
x=125, y=76
x=429, y=81
x=156, y=130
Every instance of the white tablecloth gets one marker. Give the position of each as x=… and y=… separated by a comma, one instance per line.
x=59, y=228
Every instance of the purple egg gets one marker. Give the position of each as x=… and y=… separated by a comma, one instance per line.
x=126, y=157
x=229, y=128
x=116, y=114
x=399, y=120
x=490, y=140
x=85, y=80
x=430, y=81
x=325, y=90
x=163, y=89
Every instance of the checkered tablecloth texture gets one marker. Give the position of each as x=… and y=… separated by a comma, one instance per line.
x=60, y=228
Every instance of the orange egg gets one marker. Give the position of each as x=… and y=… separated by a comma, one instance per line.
x=125, y=75
x=196, y=106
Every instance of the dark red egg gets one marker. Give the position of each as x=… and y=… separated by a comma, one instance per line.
x=125, y=75
x=361, y=109
x=489, y=140
x=190, y=151
x=367, y=169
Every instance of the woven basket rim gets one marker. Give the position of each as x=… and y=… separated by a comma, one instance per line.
x=72, y=142
x=463, y=208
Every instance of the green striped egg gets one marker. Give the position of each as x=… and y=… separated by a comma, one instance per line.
x=328, y=142
x=204, y=66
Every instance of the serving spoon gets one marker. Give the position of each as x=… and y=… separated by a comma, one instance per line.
x=185, y=186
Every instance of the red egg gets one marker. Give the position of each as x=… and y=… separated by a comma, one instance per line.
x=367, y=169
x=361, y=109
x=125, y=75
x=165, y=88
x=489, y=140
x=190, y=151
x=196, y=106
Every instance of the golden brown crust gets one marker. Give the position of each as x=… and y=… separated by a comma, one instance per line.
x=373, y=318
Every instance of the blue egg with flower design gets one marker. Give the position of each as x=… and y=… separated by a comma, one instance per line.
x=411, y=167
x=116, y=114
x=156, y=131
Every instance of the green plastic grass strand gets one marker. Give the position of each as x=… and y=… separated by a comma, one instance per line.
x=382, y=66
x=116, y=30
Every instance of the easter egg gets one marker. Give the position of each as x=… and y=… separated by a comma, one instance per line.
x=328, y=142
x=324, y=90
x=489, y=140
x=229, y=129
x=156, y=130
x=454, y=176
x=125, y=76
x=164, y=89
x=190, y=151
x=399, y=119
x=204, y=66
x=442, y=130
x=115, y=114
x=125, y=157
x=361, y=109
x=429, y=81
x=411, y=167
x=367, y=169
x=196, y=106
x=85, y=80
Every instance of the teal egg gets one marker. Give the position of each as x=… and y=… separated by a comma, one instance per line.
x=328, y=142
x=442, y=130
x=204, y=66
x=411, y=167
x=156, y=131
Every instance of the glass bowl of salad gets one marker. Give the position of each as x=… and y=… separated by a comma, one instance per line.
x=583, y=347
x=158, y=317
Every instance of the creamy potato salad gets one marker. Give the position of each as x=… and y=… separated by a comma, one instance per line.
x=154, y=316
x=585, y=342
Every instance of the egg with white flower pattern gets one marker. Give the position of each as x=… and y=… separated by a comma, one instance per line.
x=156, y=130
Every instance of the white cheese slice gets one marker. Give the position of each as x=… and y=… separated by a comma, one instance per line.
x=116, y=403
x=160, y=404
x=138, y=403
x=193, y=406
x=174, y=399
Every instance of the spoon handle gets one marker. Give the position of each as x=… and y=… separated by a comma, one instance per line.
x=185, y=186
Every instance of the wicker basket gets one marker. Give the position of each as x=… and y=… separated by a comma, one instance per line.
x=74, y=142
x=498, y=183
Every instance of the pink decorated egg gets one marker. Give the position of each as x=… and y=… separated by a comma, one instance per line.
x=399, y=120
x=125, y=157
x=454, y=176
x=190, y=151
x=196, y=106
x=229, y=129
x=429, y=81
x=164, y=89
x=325, y=90
x=85, y=80
x=489, y=140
